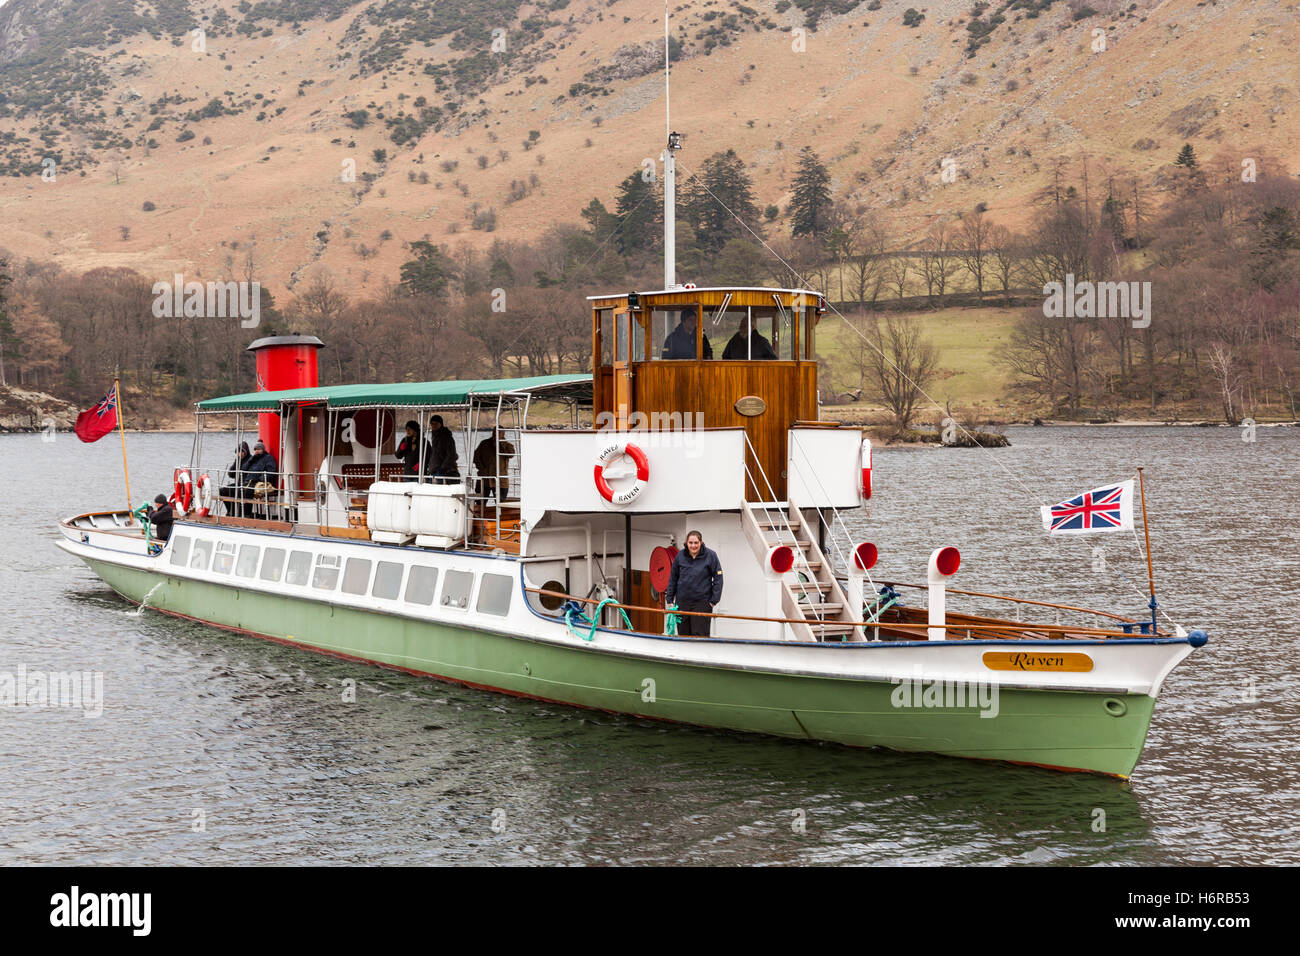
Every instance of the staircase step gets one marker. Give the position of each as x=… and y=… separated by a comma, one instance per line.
x=805, y=587
x=839, y=627
x=802, y=545
x=822, y=609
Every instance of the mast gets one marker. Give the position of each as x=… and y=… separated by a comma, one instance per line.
x=670, y=172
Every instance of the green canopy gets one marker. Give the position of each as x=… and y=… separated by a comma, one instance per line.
x=407, y=394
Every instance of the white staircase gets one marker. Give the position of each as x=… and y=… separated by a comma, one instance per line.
x=809, y=591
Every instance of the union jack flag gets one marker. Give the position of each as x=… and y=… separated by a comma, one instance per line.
x=1102, y=509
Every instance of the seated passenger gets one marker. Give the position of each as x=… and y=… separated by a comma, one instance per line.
x=680, y=343
x=260, y=468
x=232, y=494
x=748, y=343
x=409, y=451
x=161, y=518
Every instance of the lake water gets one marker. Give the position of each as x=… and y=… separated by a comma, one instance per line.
x=252, y=740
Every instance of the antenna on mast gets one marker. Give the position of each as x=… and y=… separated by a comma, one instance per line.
x=670, y=169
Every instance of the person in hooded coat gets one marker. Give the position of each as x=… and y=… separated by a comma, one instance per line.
x=232, y=493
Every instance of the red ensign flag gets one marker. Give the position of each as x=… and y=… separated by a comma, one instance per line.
x=94, y=424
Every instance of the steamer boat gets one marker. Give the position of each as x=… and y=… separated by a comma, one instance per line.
x=545, y=577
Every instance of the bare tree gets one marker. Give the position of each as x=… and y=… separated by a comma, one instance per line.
x=902, y=365
x=976, y=239
x=939, y=262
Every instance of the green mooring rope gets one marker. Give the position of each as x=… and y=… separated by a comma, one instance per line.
x=594, y=620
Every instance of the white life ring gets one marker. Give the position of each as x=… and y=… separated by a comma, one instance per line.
x=612, y=453
x=205, y=496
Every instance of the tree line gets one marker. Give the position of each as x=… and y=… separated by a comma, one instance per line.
x=1220, y=255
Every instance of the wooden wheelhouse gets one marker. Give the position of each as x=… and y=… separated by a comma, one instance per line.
x=682, y=359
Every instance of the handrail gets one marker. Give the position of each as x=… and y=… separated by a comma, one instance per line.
x=1004, y=597
x=1009, y=626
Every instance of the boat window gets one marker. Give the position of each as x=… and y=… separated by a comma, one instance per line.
x=420, y=584
x=606, y=318
x=246, y=566
x=456, y=589
x=202, y=552
x=326, y=576
x=388, y=582
x=670, y=338
x=733, y=344
x=638, y=336
x=782, y=336
x=225, y=557
x=620, y=347
x=356, y=576
x=299, y=567
x=494, y=594
x=180, y=550
x=273, y=564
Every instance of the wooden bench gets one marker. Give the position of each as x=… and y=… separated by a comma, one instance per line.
x=359, y=478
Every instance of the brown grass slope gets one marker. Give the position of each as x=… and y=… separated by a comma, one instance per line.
x=883, y=104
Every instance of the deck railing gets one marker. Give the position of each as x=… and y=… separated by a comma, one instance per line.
x=899, y=630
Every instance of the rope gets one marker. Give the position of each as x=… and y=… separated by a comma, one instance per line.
x=670, y=621
x=573, y=610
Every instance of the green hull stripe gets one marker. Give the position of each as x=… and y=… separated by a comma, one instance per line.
x=1062, y=729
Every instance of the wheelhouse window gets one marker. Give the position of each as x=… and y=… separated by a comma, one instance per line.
x=673, y=334
x=605, y=319
x=388, y=581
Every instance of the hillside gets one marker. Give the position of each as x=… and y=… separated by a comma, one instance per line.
x=241, y=150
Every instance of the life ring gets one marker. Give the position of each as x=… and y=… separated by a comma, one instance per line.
x=866, y=469
x=612, y=453
x=205, y=496
x=183, y=491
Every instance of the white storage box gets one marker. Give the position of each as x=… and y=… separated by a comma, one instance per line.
x=388, y=511
x=437, y=516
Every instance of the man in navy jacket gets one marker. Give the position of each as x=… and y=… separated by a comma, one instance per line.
x=695, y=584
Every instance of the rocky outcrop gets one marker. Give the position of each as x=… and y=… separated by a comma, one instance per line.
x=23, y=410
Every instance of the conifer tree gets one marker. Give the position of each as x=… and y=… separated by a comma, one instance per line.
x=810, y=209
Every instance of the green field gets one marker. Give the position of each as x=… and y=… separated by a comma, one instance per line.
x=970, y=342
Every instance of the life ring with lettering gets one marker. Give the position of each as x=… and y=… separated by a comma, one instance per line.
x=204, y=495
x=612, y=453
x=183, y=491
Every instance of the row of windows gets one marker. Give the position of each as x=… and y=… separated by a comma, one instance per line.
x=296, y=567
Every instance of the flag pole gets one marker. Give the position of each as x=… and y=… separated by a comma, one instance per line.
x=117, y=394
x=1146, y=532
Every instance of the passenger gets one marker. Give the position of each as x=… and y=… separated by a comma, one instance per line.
x=161, y=518
x=680, y=343
x=695, y=584
x=232, y=494
x=442, y=461
x=748, y=343
x=261, y=469
x=409, y=451
x=492, y=464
